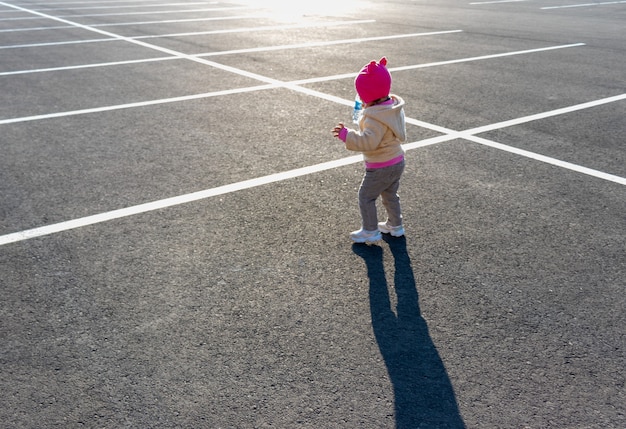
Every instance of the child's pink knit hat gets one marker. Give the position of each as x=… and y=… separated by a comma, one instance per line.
x=374, y=81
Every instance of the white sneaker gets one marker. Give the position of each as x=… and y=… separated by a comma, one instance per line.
x=363, y=236
x=396, y=231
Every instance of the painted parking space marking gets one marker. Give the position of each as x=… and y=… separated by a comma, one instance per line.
x=123, y=24
x=497, y=1
x=291, y=84
x=583, y=5
x=270, y=83
x=197, y=33
x=242, y=51
x=139, y=104
x=163, y=12
x=295, y=85
x=174, y=53
x=447, y=62
x=154, y=12
x=72, y=2
x=307, y=170
x=548, y=160
x=131, y=6
x=87, y=66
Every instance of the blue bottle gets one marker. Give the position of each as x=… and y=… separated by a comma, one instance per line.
x=358, y=109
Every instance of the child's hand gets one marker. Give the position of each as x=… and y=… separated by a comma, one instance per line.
x=340, y=132
x=337, y=129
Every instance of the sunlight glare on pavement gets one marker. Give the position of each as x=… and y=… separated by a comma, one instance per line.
x=290, y=9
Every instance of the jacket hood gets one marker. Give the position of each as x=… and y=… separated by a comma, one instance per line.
x=391, y=116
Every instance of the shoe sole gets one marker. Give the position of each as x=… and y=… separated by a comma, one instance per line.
x=393, y=234
x=367, y=240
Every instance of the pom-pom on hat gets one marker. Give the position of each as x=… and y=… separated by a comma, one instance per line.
x=374, y=81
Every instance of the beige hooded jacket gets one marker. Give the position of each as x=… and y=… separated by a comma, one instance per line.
x=383, y=131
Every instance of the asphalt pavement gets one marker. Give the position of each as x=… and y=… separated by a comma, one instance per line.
x=175, y=216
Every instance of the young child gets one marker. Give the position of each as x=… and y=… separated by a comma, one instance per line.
x=382, y=131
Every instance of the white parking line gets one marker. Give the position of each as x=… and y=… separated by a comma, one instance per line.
x=583, y=5
x=186, y=56
x=154, y=12
x=56, y=3
x=471, y=135
x=441, y=63
x=303, y=171
x=68, y=42
x=255, y=29
x=131, y=6
x=87, y=66
x=169, y=202
x=197, y=33
x=123, y=24
x=139, y=104
x=246, y=51
x=548, y=160
x=295, y=85
x=272, y=178
x=544, y=115
x=497, y=1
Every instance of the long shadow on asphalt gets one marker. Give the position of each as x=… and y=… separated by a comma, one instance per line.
x=423, y=393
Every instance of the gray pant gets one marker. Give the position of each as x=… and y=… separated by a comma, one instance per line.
x=383, y=182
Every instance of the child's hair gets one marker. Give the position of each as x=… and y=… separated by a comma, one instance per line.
x=374, y=81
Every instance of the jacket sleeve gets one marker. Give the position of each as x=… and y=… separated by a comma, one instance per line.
x=368, y=139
